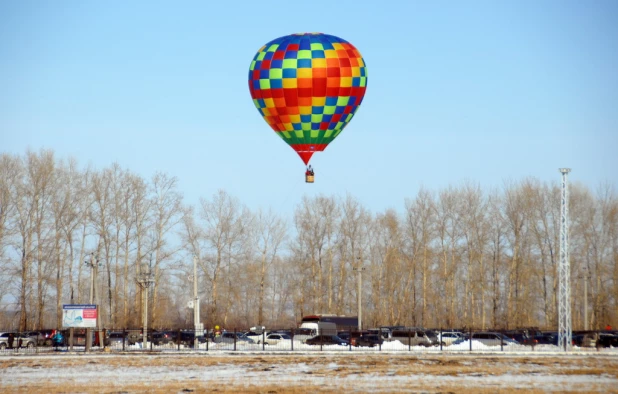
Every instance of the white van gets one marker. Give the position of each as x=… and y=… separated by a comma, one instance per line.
x=309, y=330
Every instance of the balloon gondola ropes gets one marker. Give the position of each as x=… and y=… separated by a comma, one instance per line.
x=307, y=87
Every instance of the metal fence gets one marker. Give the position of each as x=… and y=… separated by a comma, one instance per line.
x=286, y=340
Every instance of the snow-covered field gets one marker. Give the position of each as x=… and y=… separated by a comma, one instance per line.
x=332, y=370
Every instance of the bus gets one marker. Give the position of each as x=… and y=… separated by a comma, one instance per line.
x=343, y=323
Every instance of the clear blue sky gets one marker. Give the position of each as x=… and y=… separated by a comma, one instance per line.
x=485, y=91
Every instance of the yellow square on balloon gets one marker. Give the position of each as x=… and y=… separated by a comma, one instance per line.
x=303, y=73
x=318, y=63
x=346, y=82
x=289, y=83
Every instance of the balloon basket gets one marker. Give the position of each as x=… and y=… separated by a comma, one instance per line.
x=309, y=178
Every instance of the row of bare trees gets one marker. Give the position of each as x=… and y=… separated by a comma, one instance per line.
x=457, y=257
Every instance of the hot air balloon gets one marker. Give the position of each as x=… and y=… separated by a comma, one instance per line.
x=307, y=87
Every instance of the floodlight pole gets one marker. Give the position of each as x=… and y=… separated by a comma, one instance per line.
x=565, y=331
x=93, y=263
x=196, y=307
x=359, y=268
x=145, y=279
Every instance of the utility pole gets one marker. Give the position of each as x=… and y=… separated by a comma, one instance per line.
x=586, y=277
x=145, y=279
x=198, y=326
x=93, y=263
x=359, y=269
x=565, y=331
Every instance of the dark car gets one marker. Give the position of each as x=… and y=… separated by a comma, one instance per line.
x=369, y=340
x=163, y=337
x=345, y=335
x=607, y=340
x=548, y=338
x=326, y=340
x=117, y=338
x=187, y=338
x=522, y=338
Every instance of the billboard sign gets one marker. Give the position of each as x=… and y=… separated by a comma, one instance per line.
x=79, y=315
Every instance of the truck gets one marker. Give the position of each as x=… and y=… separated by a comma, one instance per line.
x=310, y=329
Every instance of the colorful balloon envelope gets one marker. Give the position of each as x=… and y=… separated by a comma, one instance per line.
x=308, y=87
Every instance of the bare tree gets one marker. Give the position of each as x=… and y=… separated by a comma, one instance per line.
x=223, y=230
x=10, y=173
x=420, y=230
x=166, y=205
x=269, y=235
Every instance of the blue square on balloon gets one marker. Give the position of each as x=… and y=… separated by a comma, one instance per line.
x=317, y=54
x=305, y=118
x=327, y=45
x=269, y=55
x=297, y=126
x=303, y=63
x=290, y=54
x=330, y=101
x=317, y=110
x=339, y=109
x=327, y=118
x=363, y=72
x=261, y=103
x=315, y=126
x=276, y=83
x=305, y=44
x=356, y=81
x=264, y=74
x=289, y=73
x=256, y=84
x=276, y=63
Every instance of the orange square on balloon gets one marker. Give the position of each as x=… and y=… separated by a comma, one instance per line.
x=304, y=82
x=305, y=101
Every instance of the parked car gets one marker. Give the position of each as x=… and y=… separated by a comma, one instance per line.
x=18, y=340
x=548, y=338
x=45, y=337
x=34, y=335
x=433, y=336
x=369, y=340
x=164, y=337
x=448, y=337
x=412, y=337
x=385, y=332
x=584, y=339
x=489, y=339
x=117, y=338
x=228, y=337
x=256, y=337
x=277, y=339
x=522, y=338
x=187, y=338
x=324, y=339
x=607, y=340
x=345, y=335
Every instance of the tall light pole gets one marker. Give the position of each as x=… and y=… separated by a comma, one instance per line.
x=145, y=279
x=198, y=327
x=586, y=278
x=359, y=269
x=565, y=331
x=94, y=264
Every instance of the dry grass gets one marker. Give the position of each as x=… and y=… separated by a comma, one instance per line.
x=320, y=373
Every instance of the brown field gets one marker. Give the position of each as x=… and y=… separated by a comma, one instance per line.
x=308, y=373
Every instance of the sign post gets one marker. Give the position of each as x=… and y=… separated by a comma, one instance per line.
x=79, y=316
